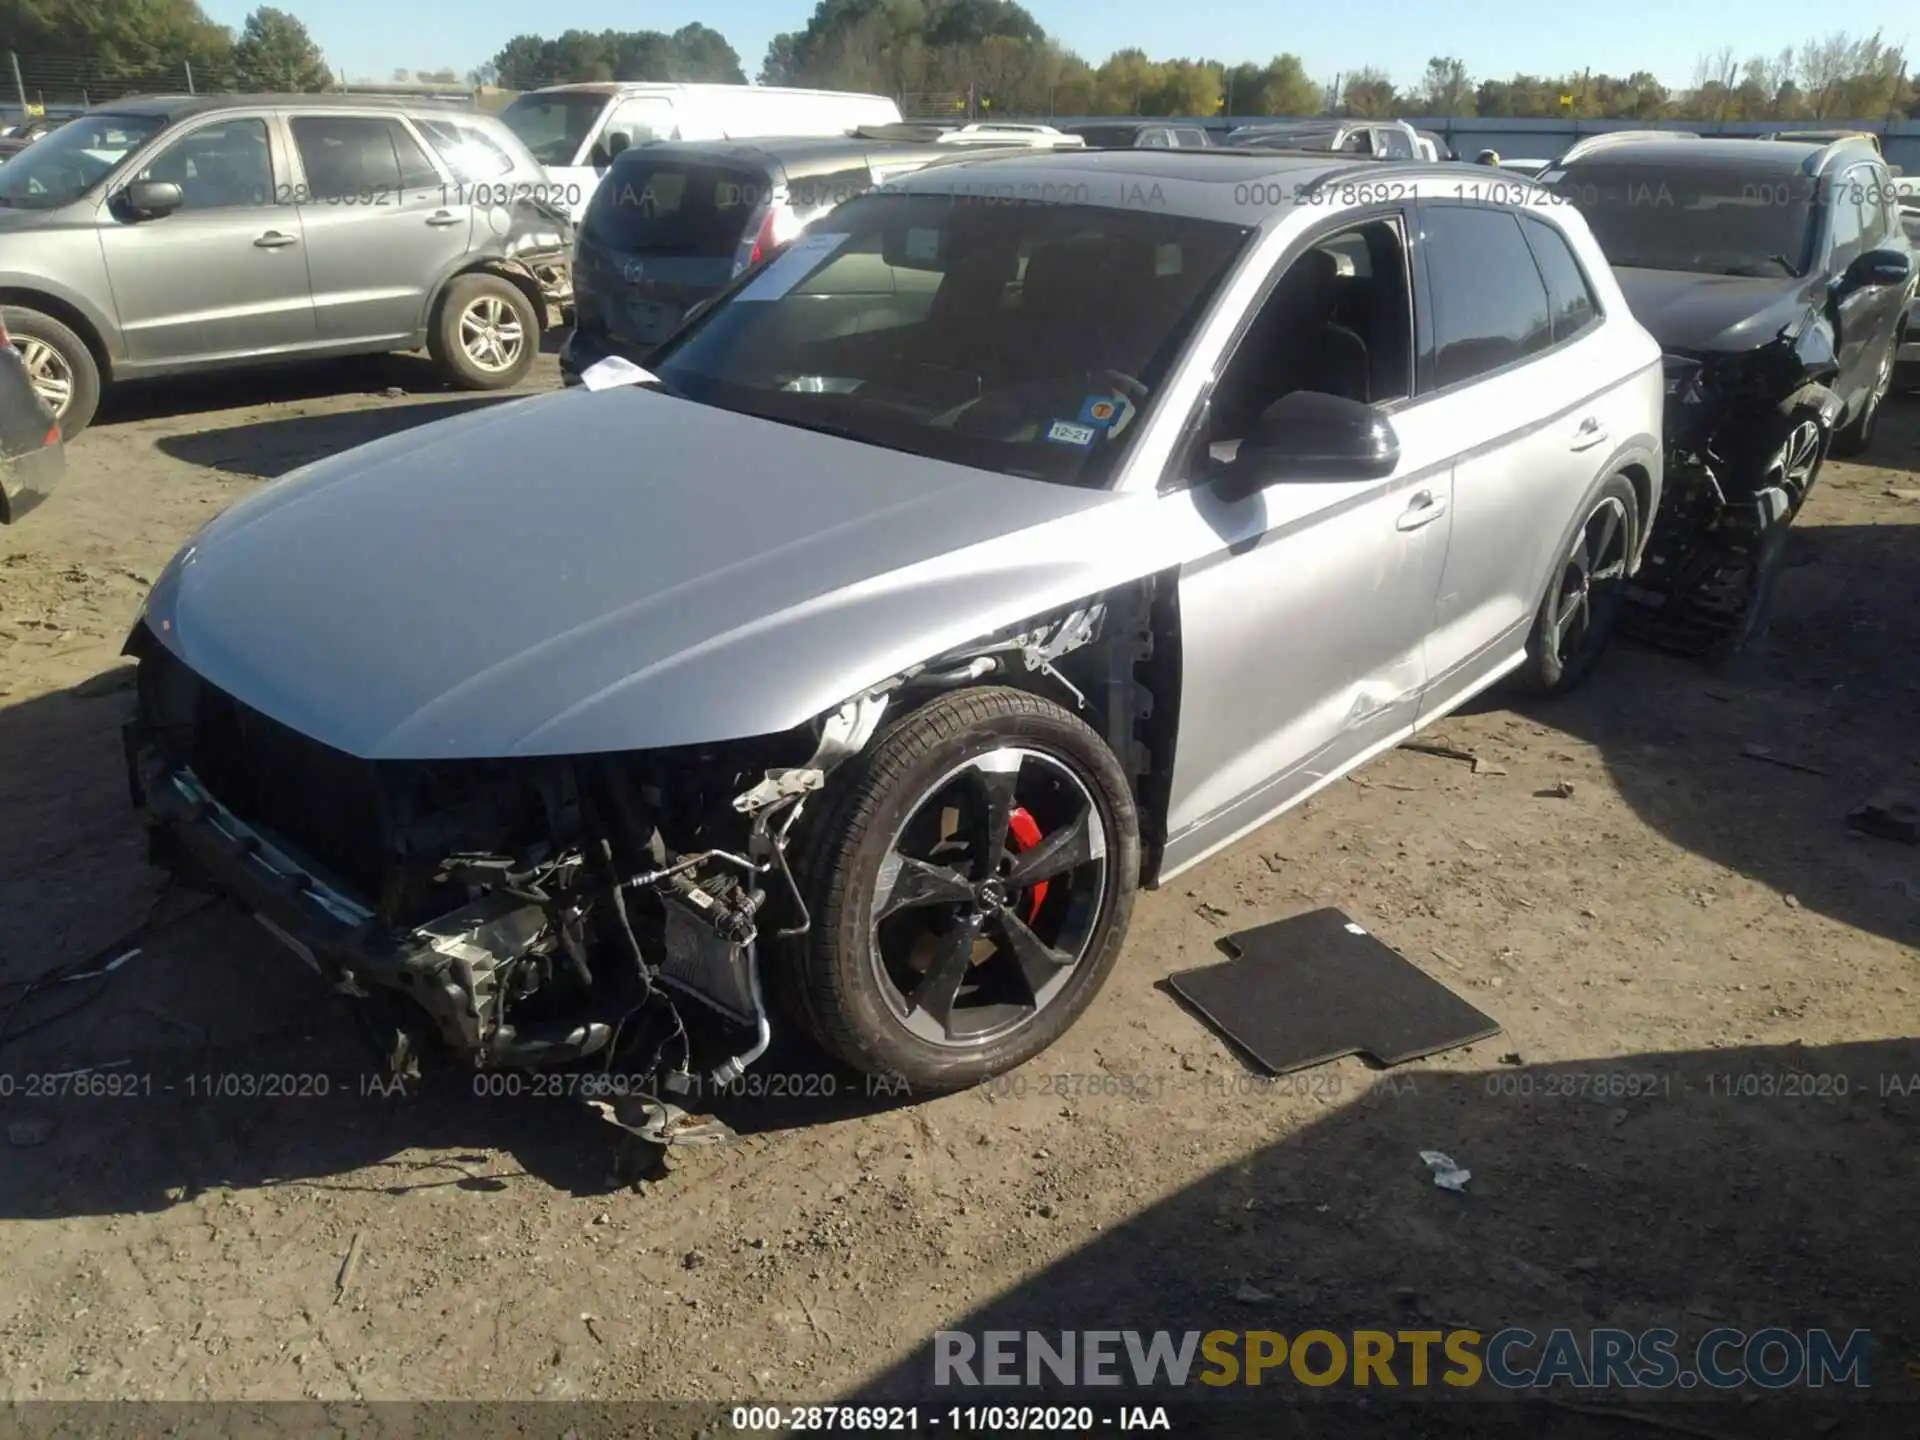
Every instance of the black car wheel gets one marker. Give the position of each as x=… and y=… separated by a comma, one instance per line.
x=1581, y=609
x=60, y=366
x=1857, y=434
x=969, y=891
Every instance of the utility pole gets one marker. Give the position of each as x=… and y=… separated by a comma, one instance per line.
x=189, y=65
x=19, y=85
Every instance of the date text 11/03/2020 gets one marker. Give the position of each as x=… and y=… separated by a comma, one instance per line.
x=958, y=1419
x=486, y=194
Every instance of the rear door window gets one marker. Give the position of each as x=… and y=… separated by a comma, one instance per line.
x=675, y=208
x=360, y=158
x=1489, y=303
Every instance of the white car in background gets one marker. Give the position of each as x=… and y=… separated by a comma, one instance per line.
x=576, y=130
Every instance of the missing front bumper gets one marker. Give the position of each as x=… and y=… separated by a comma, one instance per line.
x=452, y=968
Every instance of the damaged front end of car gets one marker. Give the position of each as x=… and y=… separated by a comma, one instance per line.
x=1746, y=433
x=504, y=913
x=529, y=911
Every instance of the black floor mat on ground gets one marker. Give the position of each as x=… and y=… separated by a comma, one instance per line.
x=1315, y=987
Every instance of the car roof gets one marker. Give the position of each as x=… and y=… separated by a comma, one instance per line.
x=1203, y=183
x=1712, y=152
x=809, y=155
x=179, y=107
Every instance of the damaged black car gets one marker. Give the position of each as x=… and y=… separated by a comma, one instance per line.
x=1776, y=278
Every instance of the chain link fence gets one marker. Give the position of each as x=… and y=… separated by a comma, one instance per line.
x=73, y=82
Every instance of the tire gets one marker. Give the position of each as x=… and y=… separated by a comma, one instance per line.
x=1856, y=435
x=52, y=350
x=851, y=981
x=1586, y=593
x=494, y=307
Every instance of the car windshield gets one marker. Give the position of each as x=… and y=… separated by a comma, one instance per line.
x=554, y=123
x=1027, y=339
x=65, y=163
x=1729, y=220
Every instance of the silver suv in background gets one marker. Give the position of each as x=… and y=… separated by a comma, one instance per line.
x=167, y=235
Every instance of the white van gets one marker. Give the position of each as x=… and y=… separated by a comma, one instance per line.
x=576, y=130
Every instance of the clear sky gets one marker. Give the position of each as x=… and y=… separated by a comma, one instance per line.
x=370, y=38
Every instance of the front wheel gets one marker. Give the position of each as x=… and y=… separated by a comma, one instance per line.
x=1581, y=609
x=969, y=890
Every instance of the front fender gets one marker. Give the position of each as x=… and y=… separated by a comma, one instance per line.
x=1816, y=397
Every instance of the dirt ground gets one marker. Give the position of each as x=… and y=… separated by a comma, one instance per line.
x=1691, y=916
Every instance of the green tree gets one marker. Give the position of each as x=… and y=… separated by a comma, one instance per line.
x=1369, y=94
x=275, y=54
x=1445, y=90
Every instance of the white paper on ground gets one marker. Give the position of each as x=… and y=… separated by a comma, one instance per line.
x=796, y=262
x=616, y=370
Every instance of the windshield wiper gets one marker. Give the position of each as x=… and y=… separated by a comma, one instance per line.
x=1785, y=264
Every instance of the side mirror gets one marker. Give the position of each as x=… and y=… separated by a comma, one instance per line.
x=1878, y=268
x=598, y=156
x=150, y=199
x=1310, y=436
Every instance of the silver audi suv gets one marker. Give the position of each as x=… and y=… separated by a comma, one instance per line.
x=1024, y=532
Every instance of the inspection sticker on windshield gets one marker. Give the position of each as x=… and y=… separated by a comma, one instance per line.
x=1065, y=432
x=796, y=262
x=1106, y=412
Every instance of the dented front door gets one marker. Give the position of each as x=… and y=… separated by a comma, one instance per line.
x=1303, y=637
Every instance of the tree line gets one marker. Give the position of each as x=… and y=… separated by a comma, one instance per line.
x=997, y=55
x=112, y=38
x=993, y=53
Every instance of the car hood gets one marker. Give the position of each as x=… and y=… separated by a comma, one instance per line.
x=1699, y=313
x=590, y=571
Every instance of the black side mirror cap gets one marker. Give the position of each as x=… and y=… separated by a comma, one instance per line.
x=1878, y=268
x=1311, y=436
x=150, y=199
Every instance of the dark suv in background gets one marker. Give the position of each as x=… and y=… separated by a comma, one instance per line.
x=674, y=222
x=1775, y=276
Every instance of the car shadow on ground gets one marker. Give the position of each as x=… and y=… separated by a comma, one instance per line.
x=1783, y=1172
x=270, y=448
x=285, y=383
x=1757, y=768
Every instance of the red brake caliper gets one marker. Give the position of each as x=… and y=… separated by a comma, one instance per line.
x=1026, y=835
